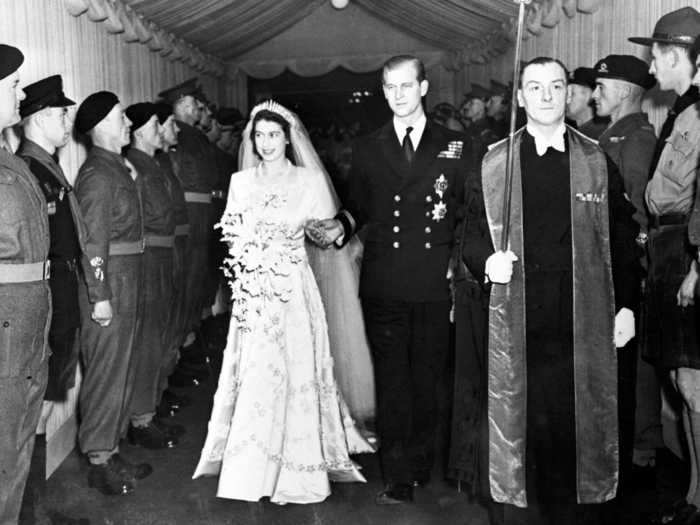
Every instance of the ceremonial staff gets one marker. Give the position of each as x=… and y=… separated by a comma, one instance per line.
x=513, y=112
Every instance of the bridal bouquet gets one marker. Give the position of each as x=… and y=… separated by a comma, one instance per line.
x=260, y=259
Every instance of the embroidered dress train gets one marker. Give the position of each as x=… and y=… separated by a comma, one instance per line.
x=279, y=426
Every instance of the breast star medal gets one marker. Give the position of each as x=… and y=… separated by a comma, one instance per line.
x=440, y=185
x=439, y=211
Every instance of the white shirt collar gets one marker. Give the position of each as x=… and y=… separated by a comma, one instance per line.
x=416, y=132
x=542, y=143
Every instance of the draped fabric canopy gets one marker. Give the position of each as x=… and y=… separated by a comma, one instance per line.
x=228, y=28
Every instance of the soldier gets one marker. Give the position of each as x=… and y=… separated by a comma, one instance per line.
x=479, y=132
x=214, y=328
x=621, y=81
x=24, y=300
x=579, y=109
x=110, y=306
x=195, y=168
x=228, y=119
x=672, y=336
x=171, y=402
x=223, y=122
x=497, y=109
x=47, y=128
x=159, y=235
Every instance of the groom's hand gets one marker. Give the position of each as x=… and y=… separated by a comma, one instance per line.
x=324, y=232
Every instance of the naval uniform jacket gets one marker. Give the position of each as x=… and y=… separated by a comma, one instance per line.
x=408, y=212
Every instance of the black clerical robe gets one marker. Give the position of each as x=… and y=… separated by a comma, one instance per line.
x=552, y=371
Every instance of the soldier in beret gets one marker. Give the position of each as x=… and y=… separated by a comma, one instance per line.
x=579, y=109
x=110, y=307
x=159, y=235
x=621, y=81
x=170, y=402
x=47, y=128
x=25, y=301
x=672, y=341
x=195, y=168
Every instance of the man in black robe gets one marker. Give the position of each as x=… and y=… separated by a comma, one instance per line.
x=552, y=381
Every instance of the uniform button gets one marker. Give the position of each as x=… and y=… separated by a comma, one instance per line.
x=397, y=213
x=396, y=229
x=396, y=244
x=397, y=198
x=428, y=198
x=427, y=214
x=6, y=324
x=427, y=229
x=428, y=246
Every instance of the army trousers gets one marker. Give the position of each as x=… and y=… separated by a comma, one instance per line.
x=25, y=310
x=177, y=310
x=63, y=334
x=106, y=353
x=197, y=270
x=151, y=340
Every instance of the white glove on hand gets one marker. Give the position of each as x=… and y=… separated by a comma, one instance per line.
x=624, y=327
x=499, y=267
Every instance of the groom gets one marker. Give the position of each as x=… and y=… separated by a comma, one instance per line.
x=406, y=182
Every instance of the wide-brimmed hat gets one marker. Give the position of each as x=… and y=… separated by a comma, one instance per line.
x=679, y=27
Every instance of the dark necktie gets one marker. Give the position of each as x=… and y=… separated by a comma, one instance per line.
x=407, y=146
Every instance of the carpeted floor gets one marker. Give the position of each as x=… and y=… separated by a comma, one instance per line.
x=170, y=496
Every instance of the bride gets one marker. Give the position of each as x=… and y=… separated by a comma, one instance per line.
x=279, y=426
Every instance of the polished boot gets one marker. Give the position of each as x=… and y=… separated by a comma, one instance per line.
x=109, y=479
x=181, y=379
x=172, y=430
x=176, y=401
x=395, y=493
x=150, y=436
x=133, y=470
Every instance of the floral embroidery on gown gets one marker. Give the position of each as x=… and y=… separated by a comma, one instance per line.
x=279, y=426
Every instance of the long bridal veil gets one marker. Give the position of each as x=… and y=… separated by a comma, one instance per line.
x=337, y=275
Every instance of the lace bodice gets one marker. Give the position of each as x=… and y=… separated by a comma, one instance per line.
x=264, y=227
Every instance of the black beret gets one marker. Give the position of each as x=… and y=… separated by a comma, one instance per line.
x=583, y=76
x=163, y=110
x=10, y=60
x=46, y=93
x=228, y=117
x=93, y=109
x=175, y=93
x=625, y=67
x=140, y=113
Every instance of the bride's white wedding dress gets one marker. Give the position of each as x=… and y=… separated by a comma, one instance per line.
x=279, y=426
